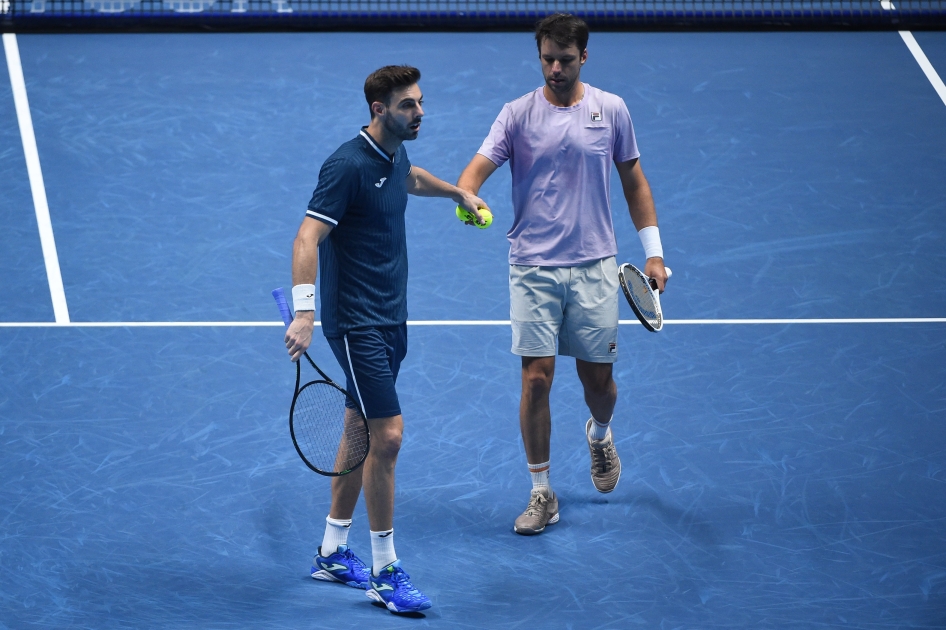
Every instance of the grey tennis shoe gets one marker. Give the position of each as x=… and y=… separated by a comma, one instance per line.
x=542, y=511
x=605, y=463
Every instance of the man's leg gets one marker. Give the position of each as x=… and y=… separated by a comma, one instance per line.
x=388, y=584
x=536, y=296
x=600, y=395
x=377, y=477
x=601, y=392
x=345, y=491
x=535, y=424
x=535, y=417
x=371, y=358
x=334, y=561
x=378, y=471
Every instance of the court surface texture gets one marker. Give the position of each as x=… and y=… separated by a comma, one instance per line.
x=779, y=472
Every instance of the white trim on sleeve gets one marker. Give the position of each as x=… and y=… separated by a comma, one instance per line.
x=316, y=215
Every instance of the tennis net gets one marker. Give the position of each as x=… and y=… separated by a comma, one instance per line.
x=31, y=15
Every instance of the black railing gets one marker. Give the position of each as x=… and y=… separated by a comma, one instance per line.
x=106, y=15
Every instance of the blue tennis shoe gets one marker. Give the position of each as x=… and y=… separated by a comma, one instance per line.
x=342, y=566
x=393, y=588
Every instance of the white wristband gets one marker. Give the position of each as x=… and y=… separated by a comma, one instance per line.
x=650, y=239
x=303, y=297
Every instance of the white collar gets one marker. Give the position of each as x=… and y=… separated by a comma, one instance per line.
x=374, y=145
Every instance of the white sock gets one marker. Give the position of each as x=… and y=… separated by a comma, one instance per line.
x=336, y=533
x=382, y=550
x=540, y=475
x=598, y=431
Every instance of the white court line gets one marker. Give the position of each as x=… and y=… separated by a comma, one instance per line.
x=40, y=204
x=919, y=55
x=481, y=322
x=925, y=64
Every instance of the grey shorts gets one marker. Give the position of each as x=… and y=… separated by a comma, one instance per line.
x=575, y=306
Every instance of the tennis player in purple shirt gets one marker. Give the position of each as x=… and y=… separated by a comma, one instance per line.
x=560, y=141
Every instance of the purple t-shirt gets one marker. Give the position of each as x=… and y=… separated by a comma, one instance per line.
x=561, y=174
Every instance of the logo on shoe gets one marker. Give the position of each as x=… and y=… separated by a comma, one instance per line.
x=382, y=586
x=333, y=567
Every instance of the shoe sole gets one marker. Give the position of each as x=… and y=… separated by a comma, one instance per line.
x=375, y=597
x=325, y=576
x=532, y=532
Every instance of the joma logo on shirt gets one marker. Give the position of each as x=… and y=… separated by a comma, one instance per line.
x=381, y=183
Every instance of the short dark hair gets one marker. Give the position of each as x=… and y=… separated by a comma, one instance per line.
x=382, y=82
x=564, y=29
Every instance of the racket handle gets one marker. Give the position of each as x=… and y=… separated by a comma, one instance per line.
x=653, y=283
x=280, y=298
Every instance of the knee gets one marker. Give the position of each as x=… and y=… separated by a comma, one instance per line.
x=386, y=441
x=537, y=378
x=537, y=383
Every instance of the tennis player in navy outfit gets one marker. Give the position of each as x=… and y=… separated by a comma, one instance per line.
x=354, y=231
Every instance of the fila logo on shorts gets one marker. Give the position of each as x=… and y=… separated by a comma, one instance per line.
x=595, y=116
x=612, y=348
x=381, y=183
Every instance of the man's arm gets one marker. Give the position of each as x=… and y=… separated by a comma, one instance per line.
x=476, y=172
x=423, y=184
x=305, y=269
x=640, y=204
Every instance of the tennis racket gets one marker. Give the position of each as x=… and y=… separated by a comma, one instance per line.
x=642, y=294
x=326, y=423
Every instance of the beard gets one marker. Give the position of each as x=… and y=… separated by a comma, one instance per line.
x=561, y=88
x=399, y=130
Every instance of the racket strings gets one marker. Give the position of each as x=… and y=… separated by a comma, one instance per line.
x=641, y=296
x=644, y=299
x=330, y=436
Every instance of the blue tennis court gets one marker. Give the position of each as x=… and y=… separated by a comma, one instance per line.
x=784, y=451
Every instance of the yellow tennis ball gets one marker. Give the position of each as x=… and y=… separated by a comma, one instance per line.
x=470, y=219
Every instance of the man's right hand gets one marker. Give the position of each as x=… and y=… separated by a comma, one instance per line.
x=655, y=270
x=299, y=334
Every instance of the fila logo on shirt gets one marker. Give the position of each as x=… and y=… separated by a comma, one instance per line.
x=381, y=183
x=595, y=116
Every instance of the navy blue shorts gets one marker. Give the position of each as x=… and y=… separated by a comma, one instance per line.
x=371, y=358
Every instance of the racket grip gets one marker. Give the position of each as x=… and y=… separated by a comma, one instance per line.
x=669, y=273
x=280, y=298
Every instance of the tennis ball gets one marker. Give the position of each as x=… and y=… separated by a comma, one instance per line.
x=470, y=219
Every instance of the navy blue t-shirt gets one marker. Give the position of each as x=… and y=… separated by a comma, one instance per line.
x=362, y=193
